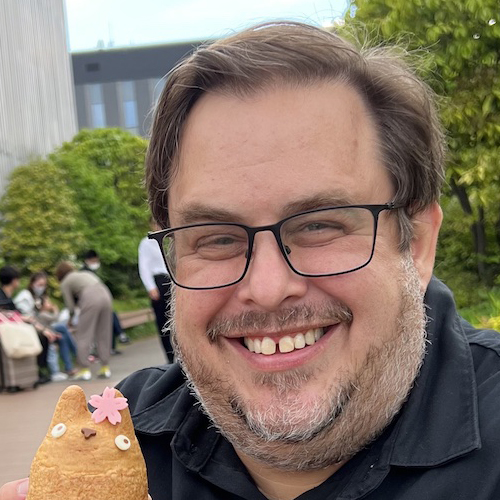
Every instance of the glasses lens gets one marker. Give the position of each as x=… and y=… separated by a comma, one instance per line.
x=206, y=256
x=329, y=241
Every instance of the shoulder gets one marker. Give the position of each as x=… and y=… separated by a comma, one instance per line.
x=24, y=301
x=485, y=349
x=23, y=295
x=153, y=391
x=144, y=243
x=68, y=278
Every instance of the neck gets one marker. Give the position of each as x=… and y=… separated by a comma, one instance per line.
x=277, y=484
x=8, y=290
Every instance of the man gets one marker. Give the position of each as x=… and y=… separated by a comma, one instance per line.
x=91, y=261
x=156, y=281
x=10, y=279
x=299, y=180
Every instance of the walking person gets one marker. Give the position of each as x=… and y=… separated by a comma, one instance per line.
x=156, y=280
x=95, y=318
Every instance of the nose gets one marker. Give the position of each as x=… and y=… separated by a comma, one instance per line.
x=88, y=433
x=269, y=282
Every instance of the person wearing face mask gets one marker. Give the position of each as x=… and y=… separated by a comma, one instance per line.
x=92, y=262
x=34, y=301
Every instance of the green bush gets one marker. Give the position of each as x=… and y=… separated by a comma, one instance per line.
x=88, y=194
x=106, y=168
x=41, y=222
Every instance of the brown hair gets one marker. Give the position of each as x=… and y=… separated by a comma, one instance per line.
x=63, y=268
x=36, y=276
x=289, y=53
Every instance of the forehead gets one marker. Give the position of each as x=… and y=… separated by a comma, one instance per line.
x=278, y=146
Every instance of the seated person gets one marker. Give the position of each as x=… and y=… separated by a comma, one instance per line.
x=34, y=301
x=9, y=283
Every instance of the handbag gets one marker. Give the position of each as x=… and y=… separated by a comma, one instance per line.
x=19, y=339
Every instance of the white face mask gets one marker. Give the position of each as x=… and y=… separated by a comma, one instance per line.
x=38, y=290
x=94, y=266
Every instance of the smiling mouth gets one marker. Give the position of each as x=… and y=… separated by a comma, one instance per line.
x=268, y=346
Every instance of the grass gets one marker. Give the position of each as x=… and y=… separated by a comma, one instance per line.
x=142, y=331
x=133, y=304
x=485, y=314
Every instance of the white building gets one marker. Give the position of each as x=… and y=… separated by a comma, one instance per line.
x=37, y=105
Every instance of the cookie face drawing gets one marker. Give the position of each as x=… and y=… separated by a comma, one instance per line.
x=89, y=455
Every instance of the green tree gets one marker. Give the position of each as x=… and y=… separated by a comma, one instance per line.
x=105, y=169
x=463, y=39
x=40, y=221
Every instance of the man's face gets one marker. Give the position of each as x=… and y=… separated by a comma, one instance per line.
x=250, y=160
x=93, y=263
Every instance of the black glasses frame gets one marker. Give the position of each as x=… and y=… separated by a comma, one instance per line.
x=276, y=230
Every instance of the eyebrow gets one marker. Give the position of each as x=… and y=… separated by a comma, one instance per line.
x=336, y=198
x=203, y=213
x=199, y=212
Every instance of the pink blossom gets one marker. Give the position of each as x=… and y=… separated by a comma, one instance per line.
x=107, y=406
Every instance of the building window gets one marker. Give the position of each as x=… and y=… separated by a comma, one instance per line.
x=98, y=115
x=157, y=89
x=129, y=106
x=97, y=110
x=130, y=114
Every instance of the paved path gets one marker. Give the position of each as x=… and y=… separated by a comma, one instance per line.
x=25, y=417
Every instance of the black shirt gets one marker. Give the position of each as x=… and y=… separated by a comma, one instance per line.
x=444, y=444
x=6, y=303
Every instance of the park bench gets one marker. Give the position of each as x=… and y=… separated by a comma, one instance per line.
x=134, y=318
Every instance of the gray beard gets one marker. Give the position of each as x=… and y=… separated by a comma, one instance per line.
x=294, y=435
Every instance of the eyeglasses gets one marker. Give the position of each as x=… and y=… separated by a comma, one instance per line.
x=315, y=243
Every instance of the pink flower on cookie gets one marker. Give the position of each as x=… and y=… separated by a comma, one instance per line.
x=107, y=406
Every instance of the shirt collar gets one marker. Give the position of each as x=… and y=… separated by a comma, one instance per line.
x=439, y=422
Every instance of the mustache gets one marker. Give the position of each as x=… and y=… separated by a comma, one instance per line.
x=298, y=317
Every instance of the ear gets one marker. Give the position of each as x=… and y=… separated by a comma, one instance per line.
x=72, y=405
x=426, y=225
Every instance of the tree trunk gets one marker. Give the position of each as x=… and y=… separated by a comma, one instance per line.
x=477, y=228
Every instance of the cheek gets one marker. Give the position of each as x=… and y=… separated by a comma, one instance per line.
x=194, y=309
x=373, y=295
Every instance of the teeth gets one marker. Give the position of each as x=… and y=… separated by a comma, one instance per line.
x=310, y=337
x=286, y=344
x=257, y=346
x=299, y=341
x=268, y=346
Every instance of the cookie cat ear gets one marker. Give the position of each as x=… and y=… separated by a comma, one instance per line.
x=126, y=425
x=72, y=405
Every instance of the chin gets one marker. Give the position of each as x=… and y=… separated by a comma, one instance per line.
x=310, y=417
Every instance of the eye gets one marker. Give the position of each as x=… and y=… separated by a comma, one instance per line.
x=58, y=430
x=122, y=442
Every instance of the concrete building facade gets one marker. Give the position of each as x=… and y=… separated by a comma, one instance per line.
x=37, y=105
x=119, y=87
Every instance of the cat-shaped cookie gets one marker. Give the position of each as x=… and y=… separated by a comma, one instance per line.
x=85, y=456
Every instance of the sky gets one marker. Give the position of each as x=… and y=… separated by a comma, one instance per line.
x=118, y=23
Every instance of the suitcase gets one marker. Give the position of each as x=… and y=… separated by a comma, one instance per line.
x=17, y=374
